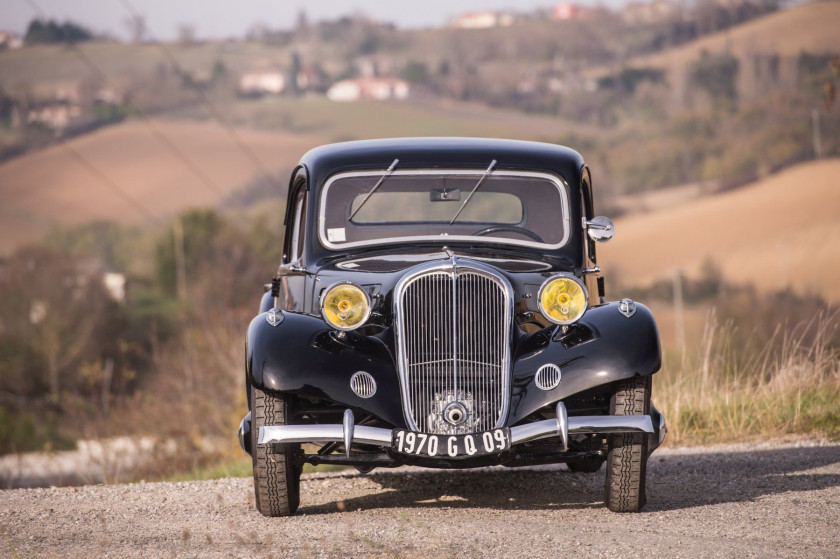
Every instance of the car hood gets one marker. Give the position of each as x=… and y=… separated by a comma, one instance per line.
x=396, y=262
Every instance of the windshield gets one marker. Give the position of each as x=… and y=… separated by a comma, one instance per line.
x=518, y=208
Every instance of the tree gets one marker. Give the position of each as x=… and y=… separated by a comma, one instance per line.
x=137, y=28
x=716, y=74
x=50, y=31
x=50, y=310
x=186, y=34
x=294, y=73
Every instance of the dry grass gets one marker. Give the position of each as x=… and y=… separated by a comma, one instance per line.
x=715, y=393
x=783, y=231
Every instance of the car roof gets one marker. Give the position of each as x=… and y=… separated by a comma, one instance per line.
x=444, y=153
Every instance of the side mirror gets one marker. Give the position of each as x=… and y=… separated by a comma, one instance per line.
x=600, y=229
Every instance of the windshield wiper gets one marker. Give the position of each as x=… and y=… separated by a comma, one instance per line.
x=481, y=180
x=375, y=187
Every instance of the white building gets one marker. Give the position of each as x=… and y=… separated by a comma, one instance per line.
x=482, y=20
x=10, y=40
x=378, y=89
x=262, y=83
x=56, y=116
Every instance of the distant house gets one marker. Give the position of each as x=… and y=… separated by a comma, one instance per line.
x=262, y=83
x=377, y=89
x=115, y=285
x=570, y=11
x=91, y=269
x=109, y=96
x=636, y=13
x=55, y=116
x=482, y=20
x=9, y=40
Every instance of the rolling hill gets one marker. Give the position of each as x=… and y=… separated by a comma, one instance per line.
x=783, y=231
x=810, y=27
x=53, y=187
x=127, y=175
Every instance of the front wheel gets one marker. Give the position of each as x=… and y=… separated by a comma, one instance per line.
x=627, y=455
x=276, y=477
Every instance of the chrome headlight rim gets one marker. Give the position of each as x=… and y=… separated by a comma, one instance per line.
x=555, y=277
x=368, y=305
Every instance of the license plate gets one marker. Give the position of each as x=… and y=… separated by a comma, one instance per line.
x=450, y=446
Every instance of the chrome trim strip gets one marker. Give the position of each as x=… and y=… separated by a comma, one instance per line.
x=590, y=424
x=610, y=424
x=560, y=182
x=451, y=268
x=322, y=434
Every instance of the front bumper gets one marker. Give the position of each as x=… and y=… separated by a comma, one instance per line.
x=560, y=427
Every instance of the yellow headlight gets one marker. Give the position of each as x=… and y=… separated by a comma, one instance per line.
x=563, y=299
x=345, y=306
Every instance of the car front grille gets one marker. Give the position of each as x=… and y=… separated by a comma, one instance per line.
x=453, y=337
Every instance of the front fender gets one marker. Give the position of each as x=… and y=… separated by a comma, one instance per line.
x=603, y=347
x=302, y=355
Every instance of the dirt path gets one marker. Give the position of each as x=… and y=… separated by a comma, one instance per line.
x=735, y=501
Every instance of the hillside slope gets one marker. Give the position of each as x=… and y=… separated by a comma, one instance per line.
x=808, y=28
x=52, y=187
x=783, y=231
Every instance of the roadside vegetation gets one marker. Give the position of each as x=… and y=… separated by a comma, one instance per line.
x=787, y=384
x=167, y=363
x=79, y=363
x=745, y=365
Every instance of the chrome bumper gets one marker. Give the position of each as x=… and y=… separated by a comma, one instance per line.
x=561, y=427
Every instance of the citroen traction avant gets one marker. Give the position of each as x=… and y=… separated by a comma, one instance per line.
x=440, y=304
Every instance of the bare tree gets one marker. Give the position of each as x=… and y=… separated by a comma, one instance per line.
x=186, y=34
x=137, y=28
x=51, y=310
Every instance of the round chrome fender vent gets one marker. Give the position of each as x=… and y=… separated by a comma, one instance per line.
x=547, y=377
x=362, y=384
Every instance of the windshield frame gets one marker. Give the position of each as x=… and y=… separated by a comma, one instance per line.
x=559, y=182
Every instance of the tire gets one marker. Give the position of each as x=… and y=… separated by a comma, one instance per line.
x=587, y=465
x=627, y=454
x=276, y=478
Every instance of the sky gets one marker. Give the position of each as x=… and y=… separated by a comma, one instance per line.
x=214, y=19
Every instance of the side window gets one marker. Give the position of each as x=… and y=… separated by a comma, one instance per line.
x=298, y=228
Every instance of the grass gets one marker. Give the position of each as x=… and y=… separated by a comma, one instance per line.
x=790, y=387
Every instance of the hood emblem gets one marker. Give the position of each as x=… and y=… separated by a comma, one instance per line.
x=274, y=317
x=627, y=307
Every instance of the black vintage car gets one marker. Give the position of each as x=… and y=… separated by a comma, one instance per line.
x=439, y=304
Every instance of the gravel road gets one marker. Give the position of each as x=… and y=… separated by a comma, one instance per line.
x=769, y=500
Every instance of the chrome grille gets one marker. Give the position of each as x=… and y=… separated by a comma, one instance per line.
x=453, y=331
